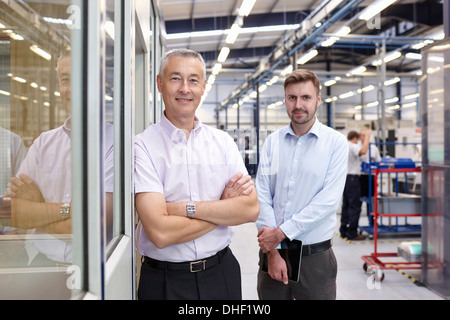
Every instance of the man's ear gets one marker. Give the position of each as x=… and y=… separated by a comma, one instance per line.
x=159, y=82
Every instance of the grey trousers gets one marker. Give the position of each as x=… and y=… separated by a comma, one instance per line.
x=317, y=280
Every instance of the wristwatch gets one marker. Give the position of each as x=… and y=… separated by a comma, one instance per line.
x=190, y=209
x=65, y=210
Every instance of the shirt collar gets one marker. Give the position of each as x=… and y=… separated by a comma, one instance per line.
x=177, y=135
x=66, y=125
x=315, y=129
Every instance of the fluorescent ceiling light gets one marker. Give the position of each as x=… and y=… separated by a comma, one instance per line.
x=357, y=70
x=388, y=58
x=272, y=81
x=392, y=56
x=422, y=44
x=287, y=70
x=40, y=52
x=281, y=27
x=307, y=56
x=67, y=22
x=262, y=88
x=246, y=7
x=233, y=33
x=197, y=34
x=211, y=79
x=223, y=54
x=329, y=83
x=347, y=95
x=391, y=81
x=215, y=33
x=391, y=100
x=438, y=35
x=216, y=69
x=345, y=30
x=329, y=42
x=366, y=89
x=413, y=56
x=5, y=93
x=409, y=105
x=19, y=79
x=15, y=36
x=411, y=96
x=374, y=8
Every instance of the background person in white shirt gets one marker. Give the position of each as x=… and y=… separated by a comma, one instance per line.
x=185, y=174
x=375, y=157
x=299, y=182
x=351, y=200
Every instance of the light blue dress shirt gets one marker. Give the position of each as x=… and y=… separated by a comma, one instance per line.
x=300, y=182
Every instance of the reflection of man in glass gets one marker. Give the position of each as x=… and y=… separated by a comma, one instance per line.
x=12, y=152
x=42, y=191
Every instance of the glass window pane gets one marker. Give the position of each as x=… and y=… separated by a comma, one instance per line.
x=113, y=227
x=35, y=146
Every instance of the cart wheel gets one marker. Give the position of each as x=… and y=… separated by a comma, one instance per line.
x=379, y=275
x=365, y=266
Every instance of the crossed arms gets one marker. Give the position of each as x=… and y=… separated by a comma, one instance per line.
x=166, y=223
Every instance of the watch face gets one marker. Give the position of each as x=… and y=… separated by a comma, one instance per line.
x=190, y=209
x=65, y=210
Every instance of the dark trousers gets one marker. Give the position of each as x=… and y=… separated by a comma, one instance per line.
x=317, y=280
x=351, y=207
x=220, y=282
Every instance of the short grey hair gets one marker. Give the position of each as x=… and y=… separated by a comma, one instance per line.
x=185, y=53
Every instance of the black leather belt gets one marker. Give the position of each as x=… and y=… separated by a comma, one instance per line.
x=316, y=248
x=189, y=266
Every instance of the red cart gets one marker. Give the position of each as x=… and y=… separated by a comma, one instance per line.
x=372, y=262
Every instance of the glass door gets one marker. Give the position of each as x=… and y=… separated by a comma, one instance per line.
x=36, y=130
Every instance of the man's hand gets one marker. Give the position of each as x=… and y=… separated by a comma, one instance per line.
x=23, y=187
x=277, y=268
x=269, y=238
x=238, y=185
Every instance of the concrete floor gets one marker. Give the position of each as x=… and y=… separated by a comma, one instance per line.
x=352, y=282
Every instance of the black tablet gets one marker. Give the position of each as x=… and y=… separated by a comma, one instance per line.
x=291, y=252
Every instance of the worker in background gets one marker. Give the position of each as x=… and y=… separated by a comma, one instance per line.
x=375, y=157
x=186, y=175
x=299, y=182
x=351, y=202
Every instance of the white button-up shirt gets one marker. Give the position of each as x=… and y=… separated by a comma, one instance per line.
x=354, y=162
x=300, y=182
x=196, y=169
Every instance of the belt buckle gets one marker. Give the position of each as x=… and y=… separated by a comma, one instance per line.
x=197, y=266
